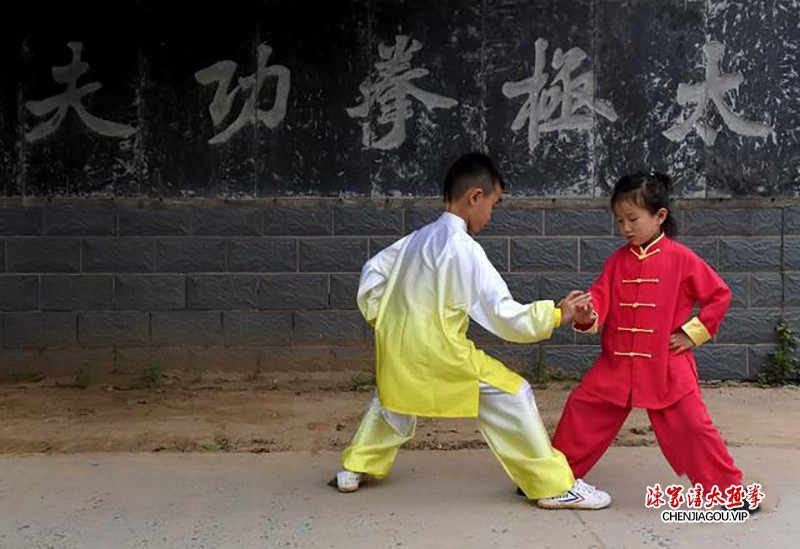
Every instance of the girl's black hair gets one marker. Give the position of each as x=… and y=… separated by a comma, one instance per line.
x=649, y=190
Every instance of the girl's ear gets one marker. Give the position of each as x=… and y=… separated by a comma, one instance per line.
x=661, y=215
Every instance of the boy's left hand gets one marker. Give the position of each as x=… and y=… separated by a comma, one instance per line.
x=680, y=342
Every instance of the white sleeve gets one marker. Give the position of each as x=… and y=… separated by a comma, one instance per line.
x=374, y=276
x=477, y=286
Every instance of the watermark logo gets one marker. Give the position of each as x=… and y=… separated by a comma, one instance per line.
x=715, y=505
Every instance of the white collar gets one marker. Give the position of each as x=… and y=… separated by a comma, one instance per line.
x=453, y=220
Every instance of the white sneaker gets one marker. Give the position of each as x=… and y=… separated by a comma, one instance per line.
x=348, y=481
x=580, y=496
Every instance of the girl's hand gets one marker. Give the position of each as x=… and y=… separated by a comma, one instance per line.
x=584, y=314
x=679, y=342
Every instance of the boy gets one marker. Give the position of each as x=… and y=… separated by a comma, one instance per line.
x=419, y=294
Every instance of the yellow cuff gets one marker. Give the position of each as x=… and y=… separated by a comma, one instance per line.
x=696, y=331
x=556, y=318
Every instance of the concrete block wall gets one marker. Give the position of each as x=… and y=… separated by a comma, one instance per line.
x=270, y=285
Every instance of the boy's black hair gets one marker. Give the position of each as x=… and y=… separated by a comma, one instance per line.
x=649, y=190
x=471, y=170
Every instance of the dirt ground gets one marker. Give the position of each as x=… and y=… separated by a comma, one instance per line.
x=273, y=414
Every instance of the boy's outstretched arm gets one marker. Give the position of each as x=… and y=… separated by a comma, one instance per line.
x=475, y=285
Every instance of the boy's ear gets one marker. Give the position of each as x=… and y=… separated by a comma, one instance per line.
x=475, y=194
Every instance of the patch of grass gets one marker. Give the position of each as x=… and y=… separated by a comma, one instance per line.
x=251, y=376
x=782, y=367
x=219, y=445
x=361, y=381
x=26, y=377
x=84, y=375
x=151, y=375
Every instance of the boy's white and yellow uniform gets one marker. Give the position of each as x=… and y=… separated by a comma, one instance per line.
x=419, y=294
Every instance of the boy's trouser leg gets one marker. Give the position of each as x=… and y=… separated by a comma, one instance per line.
x=512, y=426
x=375, y=444
x=586, y=429
x=692, y=445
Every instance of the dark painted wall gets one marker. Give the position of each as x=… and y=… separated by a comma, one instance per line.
x=151, y=57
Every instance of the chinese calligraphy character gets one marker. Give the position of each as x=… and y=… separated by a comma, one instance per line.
x=222, y=73
x=654, y=497
x=694, y=497
x=713, y=89
x=675, y=493
x=735, y=497
x=71, y=98
x=390, y=90
x=754, y=495
x=714, y=497
x=574, y=96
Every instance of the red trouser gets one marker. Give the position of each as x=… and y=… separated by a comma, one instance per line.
x=687, y=438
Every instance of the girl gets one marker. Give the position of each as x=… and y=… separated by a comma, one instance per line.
x=643, y=297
